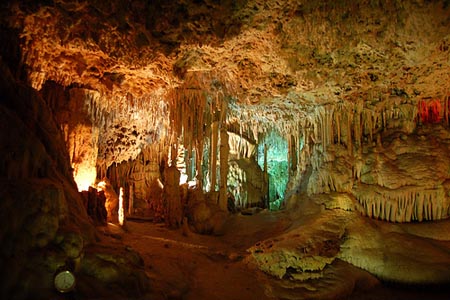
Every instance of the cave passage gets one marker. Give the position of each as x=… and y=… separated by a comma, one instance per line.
x=273, y=151
x=233, y=149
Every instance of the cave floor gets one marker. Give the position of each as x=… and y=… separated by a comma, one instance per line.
x=185, y=265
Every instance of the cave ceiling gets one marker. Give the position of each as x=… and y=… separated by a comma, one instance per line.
x=274, y=60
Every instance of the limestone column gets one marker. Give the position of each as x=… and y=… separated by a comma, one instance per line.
x=131, y=199
x=224, y=151
x=266, y=179
x=172, y=197
x=214, y=138
x=121, y=211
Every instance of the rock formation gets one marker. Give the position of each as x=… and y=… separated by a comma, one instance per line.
x=336, y=111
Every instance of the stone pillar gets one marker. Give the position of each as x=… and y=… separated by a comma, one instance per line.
x=172, y=197
x=224, y=150
x=94, y=202
x=121, y=210
x=214, y=138
x=131, y=199
x=266, y=191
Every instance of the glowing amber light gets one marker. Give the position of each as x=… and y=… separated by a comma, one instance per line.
x=121, y=212
x=84, y=177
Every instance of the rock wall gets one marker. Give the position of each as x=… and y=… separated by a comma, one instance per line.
x=81, y=134
x=327, y=231
x=142, y=180
x=246, y=183
x=45, y=225
x=391, y=161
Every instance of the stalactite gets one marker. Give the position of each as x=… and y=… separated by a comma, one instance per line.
x=331, y=126
x=213, y=166
x=337, y=121
x=224, y=151
x=357, y=124
x=404, y=204
x=349, y=132
x=293, y=153
x=198, y=164
x=368, y=123
x=193, y=109
x=173, y=152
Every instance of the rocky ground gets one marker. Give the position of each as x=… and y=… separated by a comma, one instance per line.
x=185, y=265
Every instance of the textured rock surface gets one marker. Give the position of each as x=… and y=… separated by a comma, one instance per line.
x=44, y=224
x=328, y=230
x=246, y=183
x=94, y=201
x=358, y=91
x=332, y=79
x=204, y=214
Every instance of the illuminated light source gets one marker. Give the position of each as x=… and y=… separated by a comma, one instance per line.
x=84, y=177
x=192, y=183
x=121, y=211
x=160, y=184
x=183, y=178
x=101, y=186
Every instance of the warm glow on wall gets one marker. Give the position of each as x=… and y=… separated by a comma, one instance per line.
x=121, y=212
x=84, y=177
x=101, y=186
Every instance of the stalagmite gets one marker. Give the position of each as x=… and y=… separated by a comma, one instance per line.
x=172, y=197
x=131, y=200
x=121, y=213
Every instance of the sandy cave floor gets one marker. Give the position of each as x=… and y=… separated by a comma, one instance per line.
x=193, y=266
x=185, y=265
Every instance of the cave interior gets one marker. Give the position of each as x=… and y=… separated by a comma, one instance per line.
x=225, y=149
